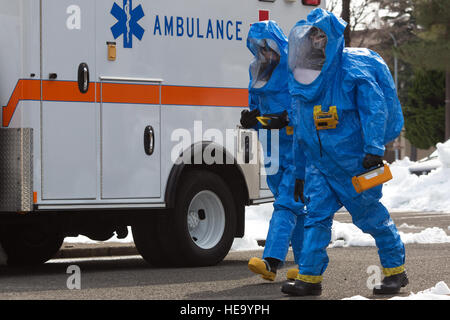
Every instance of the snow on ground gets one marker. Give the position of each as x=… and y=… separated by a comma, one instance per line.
x=257, y=220
x=439, y=292
x=348, y=235
x=407, y=226
x=86, y=240
x=425, y=193
x=343, y=234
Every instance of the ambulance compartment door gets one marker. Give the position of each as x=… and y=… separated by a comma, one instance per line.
x=130, y=133
x=130, y=102
x=69, y=117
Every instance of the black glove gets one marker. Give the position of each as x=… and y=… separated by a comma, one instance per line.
x=278, y=121
x=248, y=118
x=371, y=160
x=298, y=191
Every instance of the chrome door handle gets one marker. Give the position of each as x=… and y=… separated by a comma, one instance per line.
x=83, y=77
x=149, y=140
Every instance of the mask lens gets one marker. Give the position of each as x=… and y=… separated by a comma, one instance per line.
x=307, y=53
x=318, y=39
x=266, y=59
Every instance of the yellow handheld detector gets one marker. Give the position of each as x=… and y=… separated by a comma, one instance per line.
x=264, y=120
x=372, y=178
x=325, y=120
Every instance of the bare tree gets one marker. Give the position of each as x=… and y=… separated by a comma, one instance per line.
x=333, y=5
x=362, y=15
x=346, y=17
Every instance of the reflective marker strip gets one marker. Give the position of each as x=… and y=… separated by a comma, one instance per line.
x=309, y=279
x=107, y=92
x=204, y=96
x=24, y=90
x=128, y=93
x=393, y=271
x=66, y=91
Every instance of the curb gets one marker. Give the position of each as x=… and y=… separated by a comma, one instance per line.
x=108, y=249
x=77, y=250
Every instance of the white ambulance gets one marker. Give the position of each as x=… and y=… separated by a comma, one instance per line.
x=120, y=113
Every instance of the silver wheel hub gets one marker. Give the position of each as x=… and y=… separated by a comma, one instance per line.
x=206, y=219
x=193, y=219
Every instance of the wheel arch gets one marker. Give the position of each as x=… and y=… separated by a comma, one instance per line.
x=229, y=170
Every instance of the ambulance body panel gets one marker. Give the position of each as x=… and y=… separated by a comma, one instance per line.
x=107, y=89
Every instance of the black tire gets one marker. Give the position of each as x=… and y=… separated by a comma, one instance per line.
x=176, y=246
x=147, y=241
x=29, y=245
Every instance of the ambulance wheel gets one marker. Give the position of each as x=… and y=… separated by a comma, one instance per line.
x=29, y=245
x=202, y=226
x=200, y=230
x=147, y=240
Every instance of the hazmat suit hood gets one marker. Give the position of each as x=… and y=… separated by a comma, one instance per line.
x=269, y=46
x=346, y=108
x=315, y=51
x=269, y=94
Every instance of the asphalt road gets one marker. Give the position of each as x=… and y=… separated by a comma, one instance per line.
x=130, y=277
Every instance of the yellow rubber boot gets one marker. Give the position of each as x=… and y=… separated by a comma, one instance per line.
x=292, y=274
x=257, y=265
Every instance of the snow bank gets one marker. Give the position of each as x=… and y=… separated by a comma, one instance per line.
x=246, y=243
x=86, y=240
x=427, y=236
x=407, y=226
x=425, y=193
x=257, y=219
x=348, y=235
x=439, y=292
x=443, y=150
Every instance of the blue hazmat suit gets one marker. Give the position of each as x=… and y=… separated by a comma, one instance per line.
x=358, y=83
x=269, y=93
